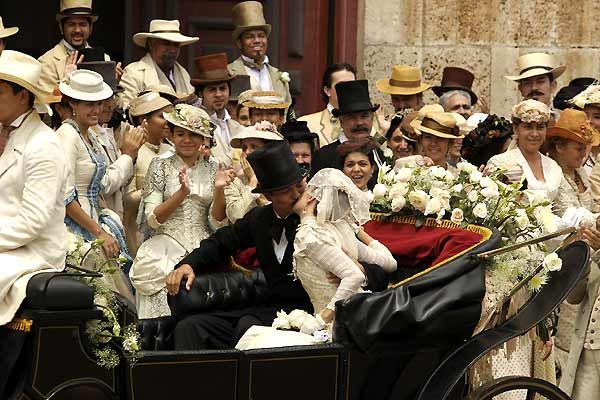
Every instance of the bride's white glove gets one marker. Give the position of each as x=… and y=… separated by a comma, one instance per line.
x=312, y=324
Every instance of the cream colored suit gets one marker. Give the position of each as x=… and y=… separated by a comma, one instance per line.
x=53, y=67
x=280, y=86
x=223, y=152
x=144, y=73
x=33, y=233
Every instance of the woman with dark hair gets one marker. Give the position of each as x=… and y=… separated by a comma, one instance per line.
x=398, y=142
x=358, y=161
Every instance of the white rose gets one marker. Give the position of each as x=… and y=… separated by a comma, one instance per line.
x=398, y=189
x=522, y=219
x=472, y=196
x=433, y=206
x=466, y=167
x=388, y=153
x=442, y=195
x=449, y=177
x=552, y=262
x=489, y=192
x=418, y=199
x=486, y=181
x=403, y=174
x=379, y=191
x=398, y=203
x=457, y=188
x=390, y=176
x=475, y=176
x=546, y=218
x=285, y=77
x=457, y=216
x=480, y=210
x=437, y=172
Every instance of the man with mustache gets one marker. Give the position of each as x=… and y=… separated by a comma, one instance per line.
x=355, y=112
x=537, y=76
x=251, y=36
x=159, y=66
x=75, y=21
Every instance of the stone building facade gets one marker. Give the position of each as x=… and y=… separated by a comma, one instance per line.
x=484, y=36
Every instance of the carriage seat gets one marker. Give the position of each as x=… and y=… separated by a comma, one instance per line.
x=54, y=291
x=218, y=291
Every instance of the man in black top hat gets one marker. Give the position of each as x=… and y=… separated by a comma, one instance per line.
x=303, y=142
x=356, y=114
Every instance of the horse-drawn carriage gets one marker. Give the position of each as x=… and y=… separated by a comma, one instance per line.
x=412, y=340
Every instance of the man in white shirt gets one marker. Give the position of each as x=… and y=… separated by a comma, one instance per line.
x=251, y=37
x=213, y=85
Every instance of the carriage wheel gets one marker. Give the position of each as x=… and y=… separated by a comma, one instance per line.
x=533, y=386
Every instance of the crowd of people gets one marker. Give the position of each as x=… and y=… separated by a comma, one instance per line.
x=178, y=171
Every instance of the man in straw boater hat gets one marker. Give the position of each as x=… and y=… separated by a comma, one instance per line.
x=356, y=114
x=213, y=85
x=265, y=106
x=159, y=66
x=251, y=37
x=4, y=33
x=33, y=178
x=75, y=21
x=405, y=88
x=271, y=229
x=537, y=76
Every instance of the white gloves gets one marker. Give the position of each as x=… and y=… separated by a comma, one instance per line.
x=299, y=319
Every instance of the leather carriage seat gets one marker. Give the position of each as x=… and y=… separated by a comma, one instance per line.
x=54, y=291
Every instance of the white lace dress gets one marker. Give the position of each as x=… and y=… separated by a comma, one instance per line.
x=170, y=241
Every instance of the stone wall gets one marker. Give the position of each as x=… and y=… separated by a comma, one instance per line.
x=483, y=36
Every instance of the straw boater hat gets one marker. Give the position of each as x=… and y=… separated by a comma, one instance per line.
x=247, y=16
x=147, y=103
x=574, y=125
x=6, y=32
x=531, y=111
x=85, y=85
x=534, y=64
x=261, y=130
x=264, y=100
x=455, y=78
x=440, y=124
x=23, y=70
x=191, y=118
x=405, y=80
x=212, y=69
x=76, y=8
x=165, y=30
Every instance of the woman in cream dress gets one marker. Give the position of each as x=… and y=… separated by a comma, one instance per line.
x=183, y=201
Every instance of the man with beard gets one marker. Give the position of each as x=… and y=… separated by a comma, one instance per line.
x=4, y=33
x=251, y=37
x=75, y=21
x=537, y=76
x=356, y=113
x=159, y=66
x=213, y=85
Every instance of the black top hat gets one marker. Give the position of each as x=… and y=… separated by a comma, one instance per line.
x=275, y=167
x=455, y=78
x=353, y=96
x=296, y=131
x=104, y=68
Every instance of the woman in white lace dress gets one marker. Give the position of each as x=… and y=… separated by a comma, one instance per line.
x=183, y=201
x=330, y=239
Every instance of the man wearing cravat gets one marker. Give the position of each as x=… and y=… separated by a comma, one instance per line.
x=251, y=37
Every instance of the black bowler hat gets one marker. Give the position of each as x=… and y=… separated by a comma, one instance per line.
x=275, y=167
x=353, y=96
x=297, y=131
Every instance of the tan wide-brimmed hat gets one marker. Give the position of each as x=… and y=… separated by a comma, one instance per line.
x=165, y=30
x=191, y=118
x=247, y=16
x=23, y=70
x=534, y=64
x=211, y=68
x=147, y=103
x=574, y=125
x=6, y=32
x=85, y=85
x=265, y=100
x=405, y=80
x=76, y=8
x=261, y=130
x=440, y=124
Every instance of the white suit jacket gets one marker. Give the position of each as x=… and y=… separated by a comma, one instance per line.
x=32, y=211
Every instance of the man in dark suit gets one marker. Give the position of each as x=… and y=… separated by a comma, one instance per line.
x=356, y=115
x=271, y=229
